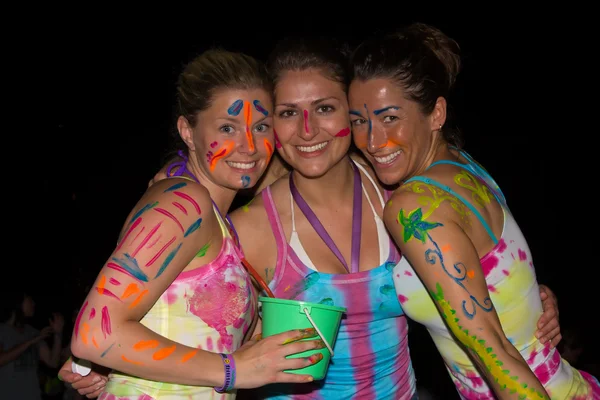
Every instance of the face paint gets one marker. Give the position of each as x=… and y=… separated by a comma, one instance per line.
x=236, y=107
x=245, y=181
x=260, y=108
x=224, y=151
x=306, y=121
x=105, y=324
x=269, y=148
x=343, y=133
x=248, y=118
x=203, y=250
x=277, y=142
x=214, y=144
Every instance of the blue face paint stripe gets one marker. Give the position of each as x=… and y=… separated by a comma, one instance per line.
x=382, y=110
x=260, y=108
x=236, y=107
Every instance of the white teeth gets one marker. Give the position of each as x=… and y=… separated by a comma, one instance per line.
x=240, y=165
x=389, y=158
x=310, y=149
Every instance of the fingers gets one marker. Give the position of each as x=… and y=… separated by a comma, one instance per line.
x=553, y=337
x=69, y=377
x=90, y=390
x=295, y=335
x=302, y=346
x=546, y=318
x=95, y=394
x=547, y=328
x=89, y=384
x=543, y=295
x=284, y=377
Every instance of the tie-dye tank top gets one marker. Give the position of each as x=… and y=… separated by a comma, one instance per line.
x=371, y=356
x=191, y=312
x=511, y=280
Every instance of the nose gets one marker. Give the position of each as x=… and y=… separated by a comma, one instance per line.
x=376, y=138
x=248, y=146
x=308, y=130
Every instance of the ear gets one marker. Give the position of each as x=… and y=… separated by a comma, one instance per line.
x=186, y=132
x=438, y=115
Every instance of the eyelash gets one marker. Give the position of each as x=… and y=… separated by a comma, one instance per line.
x=222, y=129
x=361, y=121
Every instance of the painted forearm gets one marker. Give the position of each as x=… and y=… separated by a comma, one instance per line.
x=136, y=350
x=508, y=373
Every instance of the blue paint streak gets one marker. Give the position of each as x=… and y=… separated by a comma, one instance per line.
x=357, y=113
x=193, y=227
x=260, y=108
x=143, y=210
x=167, y=261
x=130, y=265
x=236, y=107
x=175, y=187
x=106, y=351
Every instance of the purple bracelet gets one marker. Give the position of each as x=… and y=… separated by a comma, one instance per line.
x=229, y=364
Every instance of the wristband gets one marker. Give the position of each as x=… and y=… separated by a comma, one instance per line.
x=229, y=364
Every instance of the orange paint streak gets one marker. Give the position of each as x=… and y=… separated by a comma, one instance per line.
x=145, y=344
x=224, y=151
x=131, y=361
x=360, y=141
x=446, y=247
x=269, y=148
x=163, y=353
x=471, y=274
x=139, y=298
x=248, y=116
x=189, y=355
x=85, y=329
x=132, y=288
x=100, y=287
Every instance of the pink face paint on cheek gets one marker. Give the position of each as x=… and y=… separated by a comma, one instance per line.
x=306, y=120
x=269, y=148
x=344, y=132
x=277, y=143
x=214, y=144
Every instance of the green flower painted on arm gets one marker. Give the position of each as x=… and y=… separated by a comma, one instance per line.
x=414, y=226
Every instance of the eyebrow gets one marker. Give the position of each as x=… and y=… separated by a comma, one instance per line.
x=382, y=110
x=239, y=120
x=317, y=101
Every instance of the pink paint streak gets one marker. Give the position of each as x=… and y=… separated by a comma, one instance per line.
x=522, y=255
x=149, y=263
x=408, y=273
x=133, y=226
x=181, y=208
x=344, y=132
x=106, y=292
x=306, y=121
x=92, y=314
x=78, y=319
x=492, y=288
x=168, y=214
x=189, y=198
x=148, y=236
x=277, y=142
x=114, y=281
x=403, y=299
x=106, y=327
x=214, y=144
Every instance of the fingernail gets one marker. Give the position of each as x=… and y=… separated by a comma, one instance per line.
x=309, y=379
x=315, y=358
x=307, y=331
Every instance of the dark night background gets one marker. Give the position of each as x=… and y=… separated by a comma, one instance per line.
x=103, y=94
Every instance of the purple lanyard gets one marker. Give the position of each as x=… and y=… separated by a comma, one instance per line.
x=318, y=227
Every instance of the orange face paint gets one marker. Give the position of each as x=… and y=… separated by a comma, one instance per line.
x=248, y=116
x=227, y=148
x=269, y=148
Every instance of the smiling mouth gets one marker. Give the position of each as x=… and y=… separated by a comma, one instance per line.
x=313, y=148
x=389, y=158
x=242, y=165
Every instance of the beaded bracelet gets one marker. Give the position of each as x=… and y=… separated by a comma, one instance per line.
x=229, y=364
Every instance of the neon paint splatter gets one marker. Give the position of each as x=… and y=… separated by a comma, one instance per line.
x=143, y=210
x=236, y=107
x=157, y=255
x=106, y=292
x=248, y=118
x=128, y=266
x=154, y=242
x=94, y=342
x=203, y=250
x=175, y=187
x=163, y=353
x=214, y=144
x=147, y=238
x=167, y=261
x=139, y=233
x=305, y=112
x=92, y=314
x=78, y=319
x=113, y=281
x=139, y=298
x=224, y=151
x=193, y=227
x=382, y=110
x=245, y=181
x=132, y=288
x=101, y=284
x=180, y=207
x=189, y=198
x=131, y=228
x=260, y=108
x=485, y=354
x=145, y=345
x=85, y=329
x=168, y=214
x=105, y=324
x=343, y=133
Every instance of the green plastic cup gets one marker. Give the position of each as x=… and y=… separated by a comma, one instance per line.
x=281, y=315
